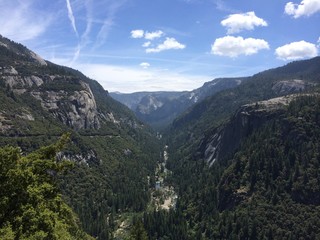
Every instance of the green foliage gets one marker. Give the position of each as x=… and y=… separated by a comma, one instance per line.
x=30, y=204
x=266, y=190
x=113, y=185
x=164, y=224
x=138, y=232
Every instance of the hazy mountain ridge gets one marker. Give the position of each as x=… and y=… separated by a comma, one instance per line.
x=160, y=108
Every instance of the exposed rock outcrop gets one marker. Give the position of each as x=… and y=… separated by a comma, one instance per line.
x=86, y=158
x=38, y=59
x=225, y=139
x=290, y=86
x=77, y=110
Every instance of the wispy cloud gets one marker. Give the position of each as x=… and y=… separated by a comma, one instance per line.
x=145, y=65
x=128, y=79
x=112, y=9
x=21, y=22
x=146, y=44
x=76, y=55
x=222, y=6
x=71, y=17
x=104, y=31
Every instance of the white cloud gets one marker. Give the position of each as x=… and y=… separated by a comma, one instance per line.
x=146, y=44
x=20, y=22
x=297, y=50
x=145, y=65
x=305, y=8
x=153, y=35
x=169, y=43
x=128, y=80
x=235, y=23
x=234, y=46
x=137, y=33
x=71, y=17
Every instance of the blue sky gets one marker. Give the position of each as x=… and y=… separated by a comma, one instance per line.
x=155, y=45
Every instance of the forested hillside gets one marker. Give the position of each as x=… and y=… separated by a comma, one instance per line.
x=198, y=124
x=267, y=189
x=30, y=204
x=114, y=153
x=246, y=169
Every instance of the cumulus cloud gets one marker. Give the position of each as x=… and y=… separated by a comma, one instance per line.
x=234, y=46
x=305, y=8
x=169, y=43
x=145, y=65
x=137, y=33
x=236, y=23
x=153, y=35
x=296, y=50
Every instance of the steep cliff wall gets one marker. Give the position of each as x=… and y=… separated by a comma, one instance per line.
x=225, y=139
x=75, y=108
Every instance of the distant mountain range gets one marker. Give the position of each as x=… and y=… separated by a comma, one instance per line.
x=160, y=108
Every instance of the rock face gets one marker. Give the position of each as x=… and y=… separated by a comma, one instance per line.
x=66, y=94
x=286, y=86
x=15, y=81
x=225, y=139
x=76, y=109
x=148, y=104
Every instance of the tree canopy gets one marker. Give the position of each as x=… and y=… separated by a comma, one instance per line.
x=31, y=206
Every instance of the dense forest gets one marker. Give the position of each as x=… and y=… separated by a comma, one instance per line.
x=267, y=189
x=31, y=206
